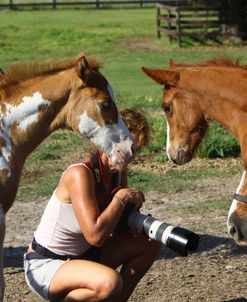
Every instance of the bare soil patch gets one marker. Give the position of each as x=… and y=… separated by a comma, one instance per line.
x=216, y=272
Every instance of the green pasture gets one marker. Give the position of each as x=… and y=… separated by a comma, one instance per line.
x=124, y=40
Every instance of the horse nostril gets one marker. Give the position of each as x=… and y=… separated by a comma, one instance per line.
x=133, y=148
x=232, y=231
x=180, y=156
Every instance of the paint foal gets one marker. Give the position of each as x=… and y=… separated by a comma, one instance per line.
x=39, y=98
x=195, y=93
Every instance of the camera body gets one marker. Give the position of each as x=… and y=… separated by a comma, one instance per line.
x=178, y=239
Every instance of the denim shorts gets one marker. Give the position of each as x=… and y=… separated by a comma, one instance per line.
x=39, y=271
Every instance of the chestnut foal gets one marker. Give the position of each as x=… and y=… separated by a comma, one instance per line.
x=195, y=93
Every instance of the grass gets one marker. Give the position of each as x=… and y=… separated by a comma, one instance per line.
x=175, y=180
x=125, y=40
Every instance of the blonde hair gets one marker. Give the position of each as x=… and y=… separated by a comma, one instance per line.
x=137, y=123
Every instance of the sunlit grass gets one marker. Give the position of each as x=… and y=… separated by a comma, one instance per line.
x=174, y=180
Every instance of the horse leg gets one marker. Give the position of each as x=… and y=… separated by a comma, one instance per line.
x=2, y=234
x=237, y=216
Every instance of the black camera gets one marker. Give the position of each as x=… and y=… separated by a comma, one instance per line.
x=178, y=239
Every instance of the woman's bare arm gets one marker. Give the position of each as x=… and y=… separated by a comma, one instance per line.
x=95, y=226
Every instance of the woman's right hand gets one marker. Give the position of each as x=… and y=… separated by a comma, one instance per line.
x=131, y=195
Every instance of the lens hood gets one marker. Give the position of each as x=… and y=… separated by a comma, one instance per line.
x=178, y=239
x=182, y=241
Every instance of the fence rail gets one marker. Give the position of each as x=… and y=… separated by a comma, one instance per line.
x=180, y=21
x=14, y=4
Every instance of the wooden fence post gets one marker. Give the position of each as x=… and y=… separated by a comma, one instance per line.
x=158, y=23
x=179, y=38
x=169, y=25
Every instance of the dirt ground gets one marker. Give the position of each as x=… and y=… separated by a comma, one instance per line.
x=216, y=272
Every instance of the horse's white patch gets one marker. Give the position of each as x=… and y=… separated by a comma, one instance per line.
x=23, y=115
x=26, y=113
x=168, y=141
x=235, y=202
x=105, y=137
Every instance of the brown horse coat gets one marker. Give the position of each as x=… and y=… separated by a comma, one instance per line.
x=193, y=95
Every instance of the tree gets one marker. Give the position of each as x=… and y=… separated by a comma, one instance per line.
x=232, y=16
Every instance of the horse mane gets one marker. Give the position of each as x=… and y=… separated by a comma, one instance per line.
x=221, y=62
x=20, y=71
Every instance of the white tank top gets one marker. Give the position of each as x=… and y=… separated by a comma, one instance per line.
x=59, y=230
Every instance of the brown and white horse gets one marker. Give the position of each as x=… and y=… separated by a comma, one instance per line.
x=39, y=98
x=195, y=93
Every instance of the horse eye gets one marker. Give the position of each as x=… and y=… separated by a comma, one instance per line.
x=167, y=108
x=105, y=106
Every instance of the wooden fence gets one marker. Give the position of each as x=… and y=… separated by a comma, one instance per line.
x=178, y=21
x=15, y=4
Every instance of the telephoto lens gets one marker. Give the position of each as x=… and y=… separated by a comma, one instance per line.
x=178, y=239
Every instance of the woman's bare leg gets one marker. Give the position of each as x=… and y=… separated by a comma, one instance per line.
x=136, y=254
x=80, y=280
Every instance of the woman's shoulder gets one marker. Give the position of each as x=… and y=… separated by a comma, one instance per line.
x=76, y=174
x=81, y=168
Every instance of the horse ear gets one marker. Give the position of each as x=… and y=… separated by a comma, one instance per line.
x=82, y=69
x=162, y=76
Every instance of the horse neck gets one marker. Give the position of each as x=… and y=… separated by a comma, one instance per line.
x=34, y=110
x=221, y=95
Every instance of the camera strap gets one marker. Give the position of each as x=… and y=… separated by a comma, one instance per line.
x=97, y=170
x=96, y=167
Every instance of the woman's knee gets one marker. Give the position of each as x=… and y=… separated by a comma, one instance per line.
x=110, y=285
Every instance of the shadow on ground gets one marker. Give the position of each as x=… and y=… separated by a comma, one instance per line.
x=13, y=256
x=236, y=300
x=209, y=244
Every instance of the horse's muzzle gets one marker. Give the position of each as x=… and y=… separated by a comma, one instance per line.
x=182, y=157
x=237, y=229
x=123, y=152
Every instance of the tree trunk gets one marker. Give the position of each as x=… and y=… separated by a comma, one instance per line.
x=233, y=18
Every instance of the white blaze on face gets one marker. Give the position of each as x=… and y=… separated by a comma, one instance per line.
x=235, y=202
x=115, y=139
x=23, y=115
x=106, y=137
x=168, y=141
